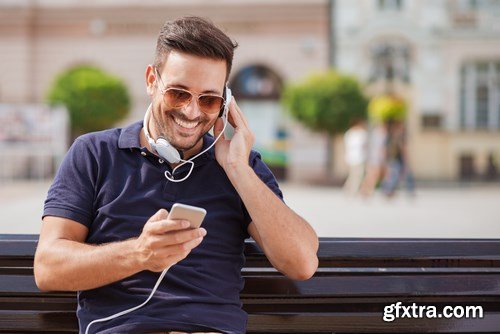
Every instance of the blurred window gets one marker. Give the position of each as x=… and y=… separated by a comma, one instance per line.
x=256, y=82
x=480, y=95
x=390, y=61
x=463, y=12
x=390, y=4
x=431, y=121
x=465, y=5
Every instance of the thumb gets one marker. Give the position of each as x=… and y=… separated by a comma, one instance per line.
x=218, y=126
x=159, y=215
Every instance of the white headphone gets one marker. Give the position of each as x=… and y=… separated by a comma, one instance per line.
x=165, y=150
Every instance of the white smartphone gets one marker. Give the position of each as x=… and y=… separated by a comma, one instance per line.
x=193, y=214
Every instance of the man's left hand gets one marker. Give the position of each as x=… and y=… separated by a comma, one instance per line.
x=233, y=153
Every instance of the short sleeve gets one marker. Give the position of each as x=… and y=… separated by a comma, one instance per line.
x=265, y=174
x=71, y=195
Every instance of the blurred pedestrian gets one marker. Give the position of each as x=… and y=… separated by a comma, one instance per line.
x=398, y=166
x=376, y=162
x=355, y=142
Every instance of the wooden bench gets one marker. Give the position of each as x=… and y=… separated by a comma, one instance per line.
x=357, y=278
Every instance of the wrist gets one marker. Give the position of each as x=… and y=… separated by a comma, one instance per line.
x=135, y=255
x=237, y=170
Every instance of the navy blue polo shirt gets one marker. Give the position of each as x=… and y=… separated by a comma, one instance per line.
x=112, y=185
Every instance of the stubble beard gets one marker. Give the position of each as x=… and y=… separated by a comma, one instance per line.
x=162, y=128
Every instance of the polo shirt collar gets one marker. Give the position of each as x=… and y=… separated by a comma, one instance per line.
x=129, y=136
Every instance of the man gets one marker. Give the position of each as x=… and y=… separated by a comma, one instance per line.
x=398, y=166
x=375, y=164
x=105, y=232
x=355, y=143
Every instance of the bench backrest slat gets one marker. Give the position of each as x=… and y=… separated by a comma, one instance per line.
x=356, y=279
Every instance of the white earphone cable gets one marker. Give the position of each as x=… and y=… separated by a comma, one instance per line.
x=119, y=314
x=170, y=176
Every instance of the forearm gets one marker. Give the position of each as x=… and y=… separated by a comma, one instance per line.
x=68, y=265
x=289, y=241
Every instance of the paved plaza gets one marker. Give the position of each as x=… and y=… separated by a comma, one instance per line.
x=451, y=212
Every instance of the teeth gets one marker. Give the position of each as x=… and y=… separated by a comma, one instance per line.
x=184, y=124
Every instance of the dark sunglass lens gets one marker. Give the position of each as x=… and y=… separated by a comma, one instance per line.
x=210, y=104
x=177, y=98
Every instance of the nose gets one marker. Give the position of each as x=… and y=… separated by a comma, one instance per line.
x=192, y=110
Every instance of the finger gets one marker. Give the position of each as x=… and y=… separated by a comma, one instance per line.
x=241, y=114
x=159, y=215
x=235, y=113
x=242, y=125
x=218, y=127
x=177, y=237
x=180, y=249
x=177, y=254
x=230, y=119
x=229, y=115
x=165, y=225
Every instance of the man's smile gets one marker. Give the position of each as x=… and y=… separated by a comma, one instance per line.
x=185, y=124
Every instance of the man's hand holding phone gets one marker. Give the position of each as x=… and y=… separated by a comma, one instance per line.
x=166, y=240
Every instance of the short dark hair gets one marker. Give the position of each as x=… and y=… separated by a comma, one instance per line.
x=196, y=36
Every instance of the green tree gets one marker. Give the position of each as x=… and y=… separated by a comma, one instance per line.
x=326, y=102
x=94, y=99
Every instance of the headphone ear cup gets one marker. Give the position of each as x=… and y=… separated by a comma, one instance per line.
x=227, y=102
x=167, y=151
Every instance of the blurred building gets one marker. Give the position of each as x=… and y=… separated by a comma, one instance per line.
x=278, y=41
x=444, y=58
x=33, y=140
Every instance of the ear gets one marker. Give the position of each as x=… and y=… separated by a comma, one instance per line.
x=150, y=80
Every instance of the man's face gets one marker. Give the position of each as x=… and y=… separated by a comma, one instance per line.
x=184, y=127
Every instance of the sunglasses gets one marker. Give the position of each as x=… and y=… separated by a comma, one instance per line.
x=180, y=98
